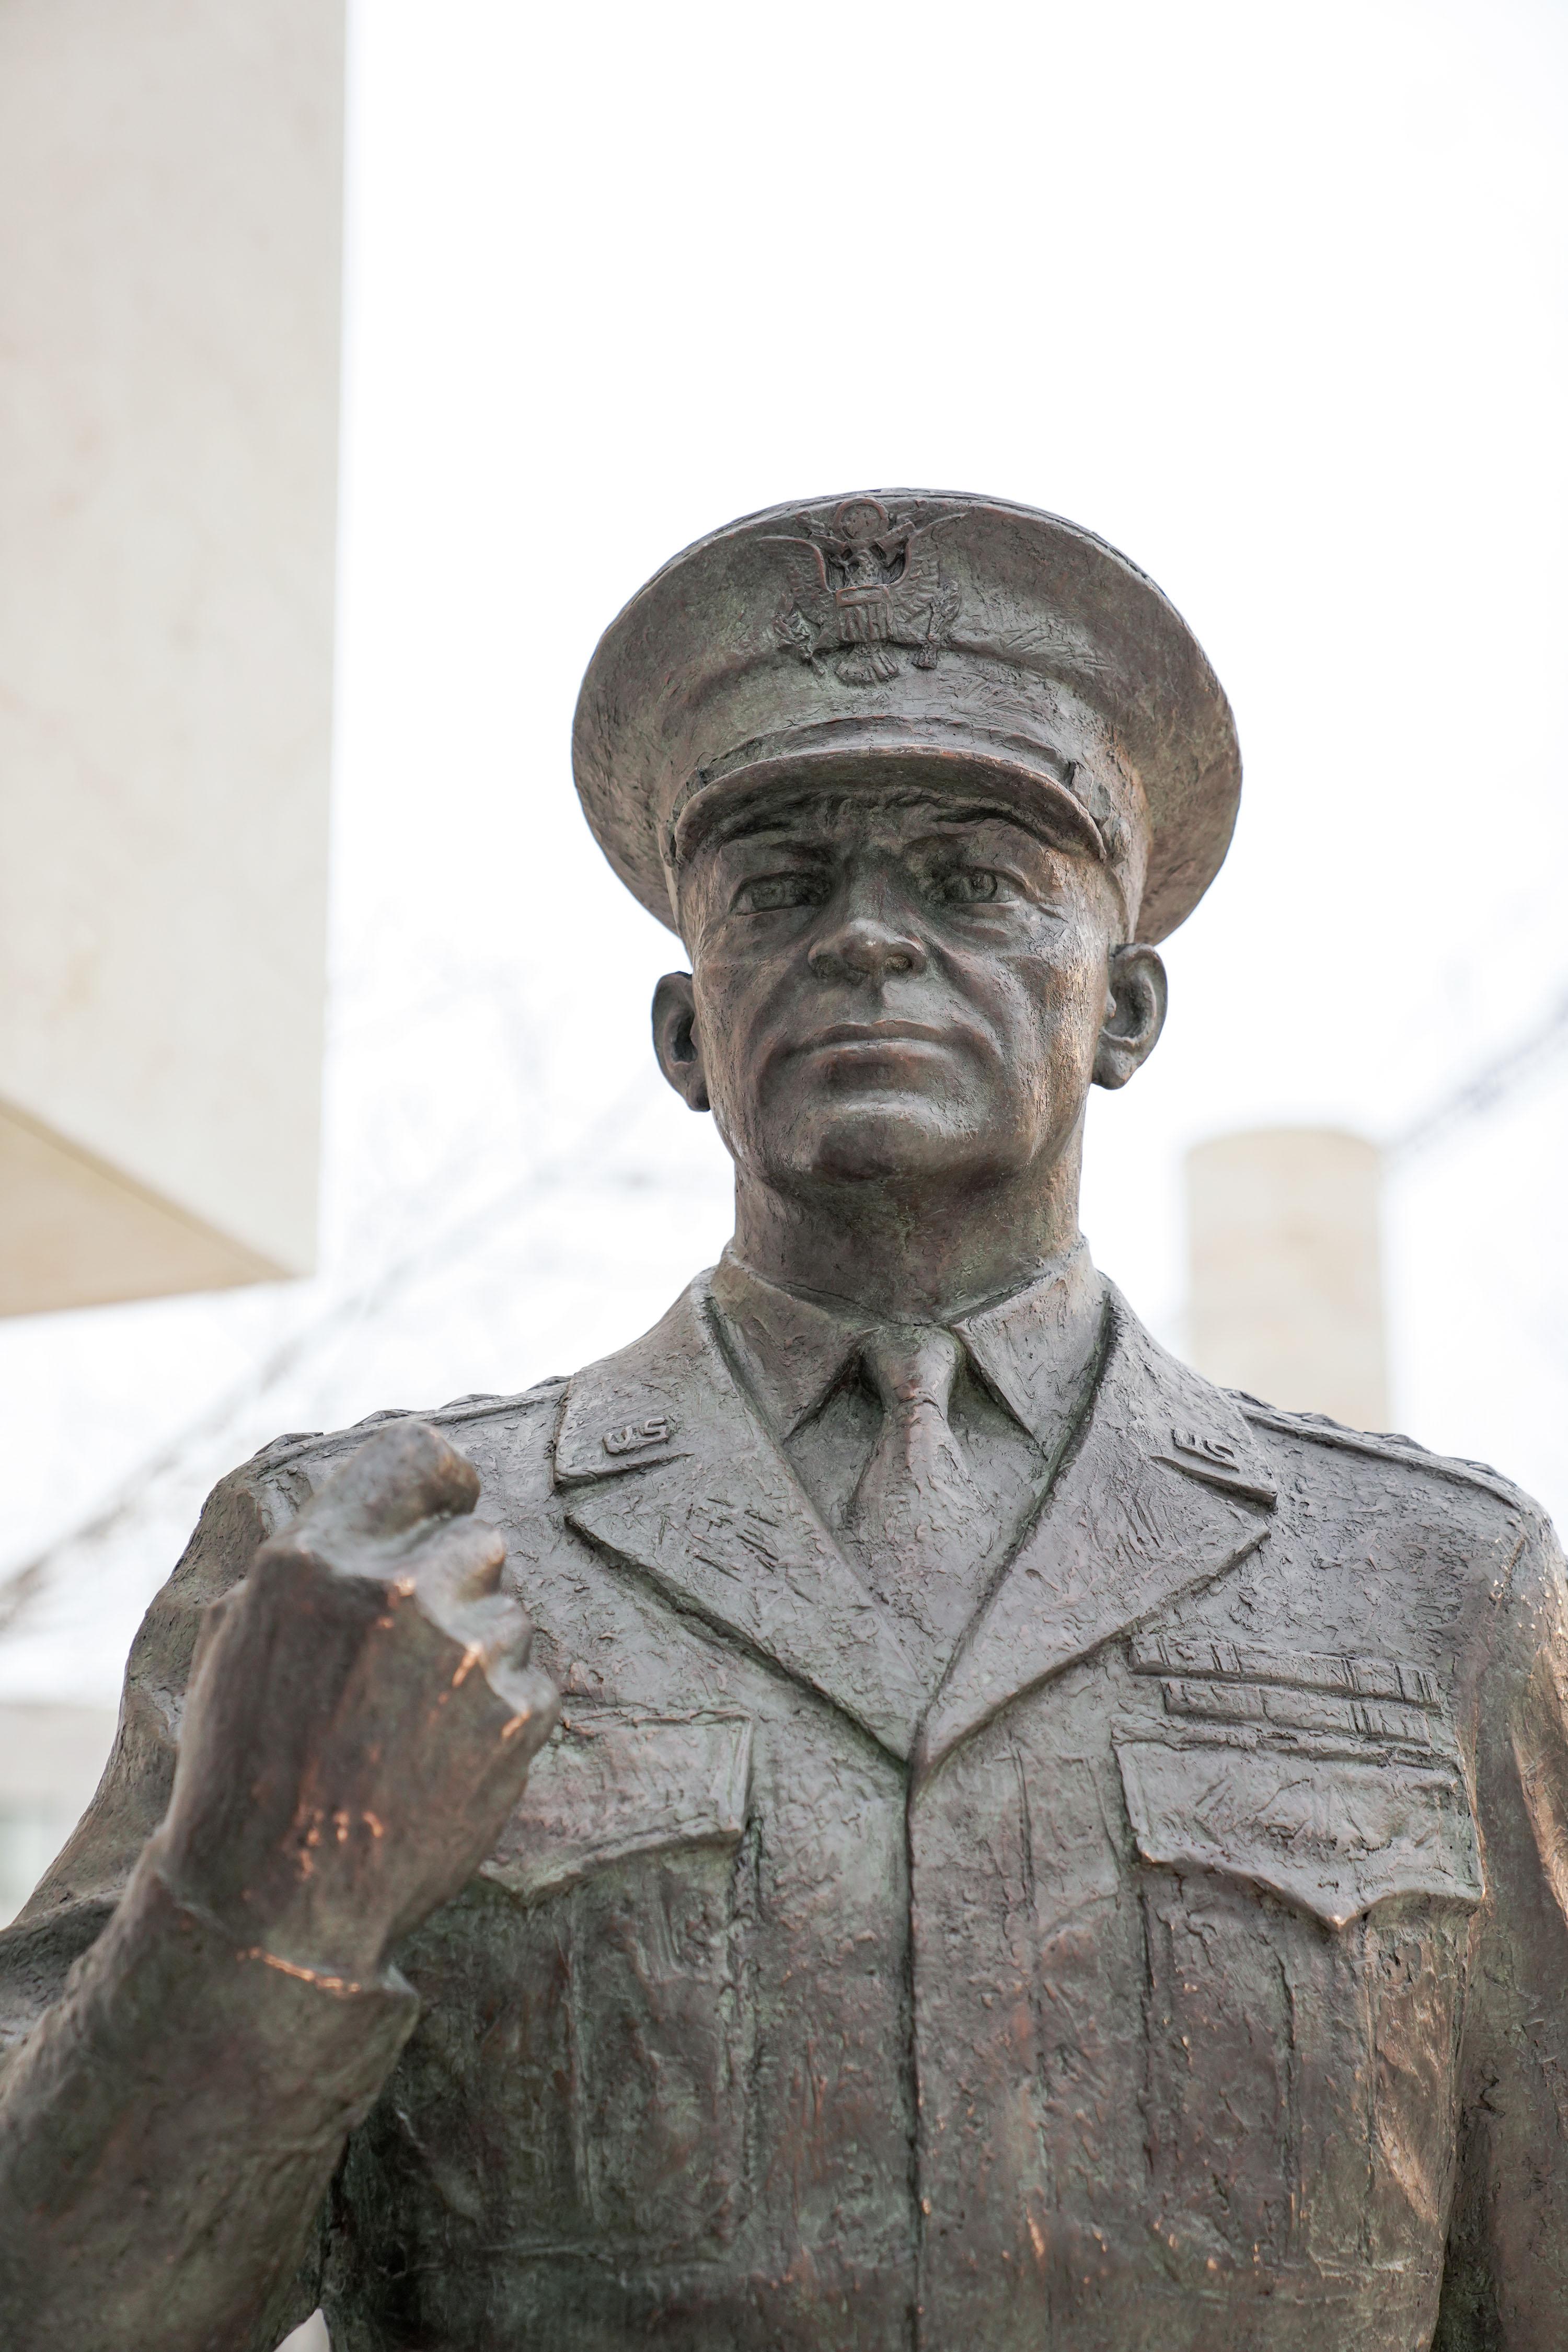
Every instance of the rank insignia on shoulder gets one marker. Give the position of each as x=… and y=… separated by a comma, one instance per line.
x=639, y=1436
x=1217, y=1462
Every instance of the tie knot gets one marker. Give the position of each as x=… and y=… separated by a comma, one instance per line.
x=911, y=1364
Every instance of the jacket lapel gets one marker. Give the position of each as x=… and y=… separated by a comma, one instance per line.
x=664, y=1464
x=1164, y=1490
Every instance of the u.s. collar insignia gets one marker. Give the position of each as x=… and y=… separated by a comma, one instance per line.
x=639, y=1436
x=866, y=584
x=1217, y=1462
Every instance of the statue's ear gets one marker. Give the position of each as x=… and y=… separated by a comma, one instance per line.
x=1136, y=996
x=675, y=1039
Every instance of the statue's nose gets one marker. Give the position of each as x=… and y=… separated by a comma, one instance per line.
x=867, y=947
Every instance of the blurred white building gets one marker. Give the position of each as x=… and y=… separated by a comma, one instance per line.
x=169, y=239
x=1285, y=1270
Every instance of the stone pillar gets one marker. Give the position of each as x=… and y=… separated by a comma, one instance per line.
x=50, y=1759
x=1285, y=1272
x=170, y=235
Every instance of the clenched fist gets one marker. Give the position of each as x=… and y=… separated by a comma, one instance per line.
x=362, y=1716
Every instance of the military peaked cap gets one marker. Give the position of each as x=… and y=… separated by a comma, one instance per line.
x=936, y=636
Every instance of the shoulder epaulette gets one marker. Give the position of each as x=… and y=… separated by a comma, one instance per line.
x=476, y=1407
x=1382, y=1445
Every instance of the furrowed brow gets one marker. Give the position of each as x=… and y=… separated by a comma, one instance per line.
x=753, y=824
x=1040, y=825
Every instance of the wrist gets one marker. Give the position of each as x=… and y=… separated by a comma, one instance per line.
x=294, y=1940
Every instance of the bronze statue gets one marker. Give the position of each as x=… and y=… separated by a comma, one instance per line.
x=1036, y=1851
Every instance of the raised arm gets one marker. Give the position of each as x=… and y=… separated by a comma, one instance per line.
x=360, y=1723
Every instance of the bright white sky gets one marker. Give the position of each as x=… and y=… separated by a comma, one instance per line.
x=1274, y=298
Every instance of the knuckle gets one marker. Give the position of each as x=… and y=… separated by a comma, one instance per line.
x=473, y=1540
x=465, y=1562
x=535, y=1704
x=485, y=1630
x=406, y=1472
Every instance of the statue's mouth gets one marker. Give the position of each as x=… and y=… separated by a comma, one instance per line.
x=872, y=1036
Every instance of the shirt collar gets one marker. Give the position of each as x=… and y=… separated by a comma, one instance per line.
x=1032, y=1347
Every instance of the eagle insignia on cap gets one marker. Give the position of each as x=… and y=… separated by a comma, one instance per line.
x=864, y=583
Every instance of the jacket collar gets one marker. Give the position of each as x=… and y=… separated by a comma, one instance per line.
x=1164, y=1489
x=665, y=1464
x=1031, y=1347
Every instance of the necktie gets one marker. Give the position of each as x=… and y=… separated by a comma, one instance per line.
x=914, y=1516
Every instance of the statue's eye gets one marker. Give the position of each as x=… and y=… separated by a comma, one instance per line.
x=770, y=891
x=970, y=885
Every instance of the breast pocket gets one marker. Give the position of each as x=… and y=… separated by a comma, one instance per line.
x=579, y=2078
x=1306, y=1916
x=1332, y=1836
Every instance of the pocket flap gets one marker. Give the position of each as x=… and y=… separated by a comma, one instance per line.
x=1331, y=1836
x=613, y=1782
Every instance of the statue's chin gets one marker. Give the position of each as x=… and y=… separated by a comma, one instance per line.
x=889, y=1142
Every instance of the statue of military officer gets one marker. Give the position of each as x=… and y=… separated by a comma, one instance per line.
x=1035, y=1849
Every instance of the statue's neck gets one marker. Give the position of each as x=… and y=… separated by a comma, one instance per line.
x=911, y=1253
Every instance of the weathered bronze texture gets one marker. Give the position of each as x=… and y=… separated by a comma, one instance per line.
x=1036, y=1849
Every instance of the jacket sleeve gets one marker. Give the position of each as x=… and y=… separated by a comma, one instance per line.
x=170, y=2110
x=1506, y=2278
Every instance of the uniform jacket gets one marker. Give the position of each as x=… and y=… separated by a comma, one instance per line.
x=1190, y=1971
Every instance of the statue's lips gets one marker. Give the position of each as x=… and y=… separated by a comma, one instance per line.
x=872, y=1041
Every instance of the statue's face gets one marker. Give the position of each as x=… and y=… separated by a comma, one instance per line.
x=898, y=985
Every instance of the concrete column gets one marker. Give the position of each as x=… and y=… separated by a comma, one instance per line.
x=170, y=235
x=50, y=1759
x=1286, y=1281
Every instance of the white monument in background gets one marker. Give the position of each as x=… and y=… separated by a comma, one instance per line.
x=169, y=238
x=1286, y=1294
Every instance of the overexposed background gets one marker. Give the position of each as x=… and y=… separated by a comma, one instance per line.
x=1273, y=298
